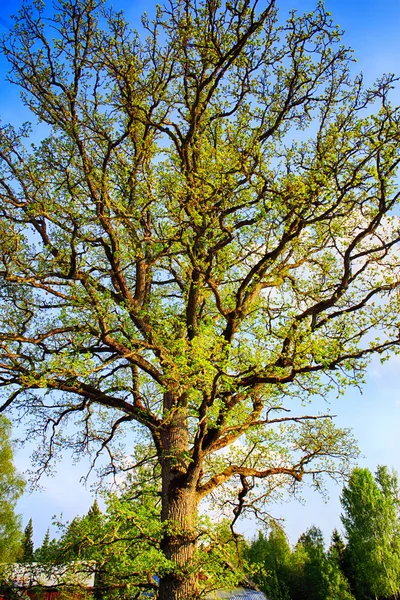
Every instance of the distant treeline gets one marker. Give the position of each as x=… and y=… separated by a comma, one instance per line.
x=364, y=565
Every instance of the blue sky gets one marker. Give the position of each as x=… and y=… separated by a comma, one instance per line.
x=373, y=32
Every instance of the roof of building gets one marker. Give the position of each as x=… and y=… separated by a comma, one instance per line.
x=32, y=574
x=239, y=593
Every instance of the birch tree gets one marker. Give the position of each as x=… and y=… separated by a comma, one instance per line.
x=371, y=521
x=11, y=487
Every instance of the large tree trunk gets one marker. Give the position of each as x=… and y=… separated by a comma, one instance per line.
x=179, y=513
x=179, y=546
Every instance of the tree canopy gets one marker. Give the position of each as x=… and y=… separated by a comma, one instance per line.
x=206, y=233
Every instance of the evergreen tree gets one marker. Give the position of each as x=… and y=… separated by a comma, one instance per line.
x=339, y=586
x=46, y=541
x=94, y=517
x=316, y=575
x=44, y=554
x=27, y=543
x=94, y=511
x=337, y=549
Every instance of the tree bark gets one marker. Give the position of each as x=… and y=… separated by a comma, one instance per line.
x=179, y=513
x=179, y=546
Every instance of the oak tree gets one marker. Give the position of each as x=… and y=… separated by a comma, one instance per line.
x=205, y=233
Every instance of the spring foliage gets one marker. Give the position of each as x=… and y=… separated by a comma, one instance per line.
x=205, y=234
x=11, y=488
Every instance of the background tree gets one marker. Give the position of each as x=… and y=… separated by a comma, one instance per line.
x=310, y=574
x=45, y=554
x=316, y=574
x=371, y=521
x=11, y=488
x=270, y=561
x=27, y=543
x=337, y=549
x=207, y=233
x=339, y=582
